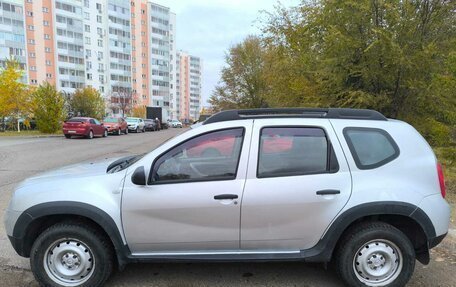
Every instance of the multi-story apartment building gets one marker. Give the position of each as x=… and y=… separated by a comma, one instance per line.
x=69, y=45
x=12, y=32
x=160, y=22
x=126, y=49
x=95, y=21
x=40, y=36
x=140, y=52
x=188, y=85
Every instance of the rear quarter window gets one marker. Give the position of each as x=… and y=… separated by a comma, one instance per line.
x=370, y=147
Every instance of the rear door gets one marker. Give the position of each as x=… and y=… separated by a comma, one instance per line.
x=297, y=182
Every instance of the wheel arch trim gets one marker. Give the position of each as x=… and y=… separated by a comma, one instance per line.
x=95, y=214
x=323, y=250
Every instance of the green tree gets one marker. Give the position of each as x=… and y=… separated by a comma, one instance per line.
x=48, y=108
x=88, y=102
x=242, y=82
x=15, y=98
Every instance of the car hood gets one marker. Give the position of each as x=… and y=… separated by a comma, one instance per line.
x=69, y=172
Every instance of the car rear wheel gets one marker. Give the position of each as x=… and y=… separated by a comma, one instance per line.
x=105, y=133
x=375, y=254
x=68, y=254
x=90, y=135
x=126, y=131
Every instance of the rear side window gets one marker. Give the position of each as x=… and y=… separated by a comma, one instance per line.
x=290, y=151
x=371, y=147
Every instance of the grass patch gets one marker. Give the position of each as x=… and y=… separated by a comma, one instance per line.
x=27, y=133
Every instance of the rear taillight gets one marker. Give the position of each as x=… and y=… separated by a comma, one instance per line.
x=441, y=180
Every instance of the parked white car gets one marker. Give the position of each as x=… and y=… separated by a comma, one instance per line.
x=310, y=185
x=175, y=124
x=136, y=124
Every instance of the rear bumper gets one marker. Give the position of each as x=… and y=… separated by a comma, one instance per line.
x=433, y=242
x=75, y=131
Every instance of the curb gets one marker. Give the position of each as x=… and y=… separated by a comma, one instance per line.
x=30, y=136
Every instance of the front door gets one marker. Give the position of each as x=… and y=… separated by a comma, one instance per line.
x=192, y=200
x=297, y=183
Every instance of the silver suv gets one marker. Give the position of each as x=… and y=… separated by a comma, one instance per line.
x=247, y=185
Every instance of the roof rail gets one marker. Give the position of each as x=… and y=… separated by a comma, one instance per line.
x=329, y=113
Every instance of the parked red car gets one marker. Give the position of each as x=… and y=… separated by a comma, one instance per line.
x=81, y=126
x=116, y=125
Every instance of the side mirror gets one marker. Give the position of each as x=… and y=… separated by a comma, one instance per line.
x=139, y=176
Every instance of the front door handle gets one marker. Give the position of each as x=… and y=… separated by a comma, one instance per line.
x=328, y=192
x=225, y=196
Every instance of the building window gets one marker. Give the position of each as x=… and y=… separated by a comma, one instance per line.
x=47, y=49
x=32, y=68
x=45, y=9
x=30, y=13
x=87, y=28
x=48, y=63
x=47, y=36
x=49, y=76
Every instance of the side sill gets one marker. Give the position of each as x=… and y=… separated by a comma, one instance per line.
x=218, y=257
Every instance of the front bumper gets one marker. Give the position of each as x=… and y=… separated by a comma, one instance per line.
x=18, y=245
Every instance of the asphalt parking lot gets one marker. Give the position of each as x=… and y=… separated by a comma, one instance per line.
x=23, y=157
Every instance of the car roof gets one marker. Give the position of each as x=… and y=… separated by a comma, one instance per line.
x=329, y=113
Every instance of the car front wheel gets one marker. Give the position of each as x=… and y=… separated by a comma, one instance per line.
x=375, y=254
x=68, y=254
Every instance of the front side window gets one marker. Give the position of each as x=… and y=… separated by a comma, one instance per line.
x=211, y=156
x=370, y=147
x=289, y=151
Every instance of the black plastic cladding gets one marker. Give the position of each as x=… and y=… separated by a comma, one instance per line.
x=329, y=113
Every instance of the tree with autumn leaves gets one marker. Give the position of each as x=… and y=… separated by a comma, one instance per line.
x=397, y=57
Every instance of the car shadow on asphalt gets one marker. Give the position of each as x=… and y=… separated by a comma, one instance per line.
x=226, y=274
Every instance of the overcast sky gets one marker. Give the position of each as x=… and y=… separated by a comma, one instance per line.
x=208, y=28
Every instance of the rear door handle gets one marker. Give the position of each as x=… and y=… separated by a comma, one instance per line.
x=328, y=192
x=225, y=196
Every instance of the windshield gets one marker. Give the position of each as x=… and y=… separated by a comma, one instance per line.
x=132, y=120
x=110, y=120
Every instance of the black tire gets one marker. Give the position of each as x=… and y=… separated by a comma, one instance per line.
x=137, y=130
x=105, y=133
x=119, y=132
x=90, y=135
x=101, y=250
x=68, y=136
x=374, y=234
x=126, y=131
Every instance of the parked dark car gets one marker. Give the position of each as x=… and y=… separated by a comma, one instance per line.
x=116, y=125
x=150, y=125
x=87, y=127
